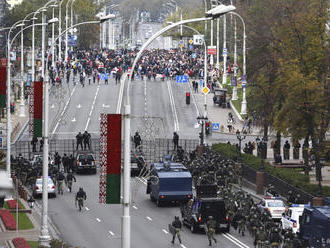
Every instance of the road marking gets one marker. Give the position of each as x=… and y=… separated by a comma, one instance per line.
x=74, y=119
x=65, y=107
x=149, y=218
x=78, y=106
x=135, y=207
x=87, y=208
x=52, y=106
x=142, y=181
x=175, y=115
x=165, y=231
x=237, y=240
x=98, y=219
x=92, y=108
x=234, y=240
x=183, y=246
x=111, y=233
x=121, y=92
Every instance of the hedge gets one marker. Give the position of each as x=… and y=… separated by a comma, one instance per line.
x=21, y=243
x=292, y=176
x=8, y=219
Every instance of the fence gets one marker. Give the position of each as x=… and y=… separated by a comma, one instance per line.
x=281, y=186
x=153, y=150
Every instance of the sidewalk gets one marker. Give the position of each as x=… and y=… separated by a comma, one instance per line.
x=219, y=115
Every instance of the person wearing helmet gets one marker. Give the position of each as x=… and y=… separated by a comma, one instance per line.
x=275, y=238
x=211, y=225
x=80, y=197
x=176, y=229
x=260, y=237
x=60, y=178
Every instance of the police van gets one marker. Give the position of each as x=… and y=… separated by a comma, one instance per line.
x=290, y=219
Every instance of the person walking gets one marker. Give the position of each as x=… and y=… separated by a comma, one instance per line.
x=34, y=144
x=175, y=229
x=211, y=225
x=80, y=197
x=175, y=140
x=69, y=179
x=60, y=178
x=87, y=140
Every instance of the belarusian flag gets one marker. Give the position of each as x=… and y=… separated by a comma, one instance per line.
x=110, y=158
x=3, y=86
x=37, y=109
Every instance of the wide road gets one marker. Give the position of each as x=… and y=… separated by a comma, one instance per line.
x=162, y=102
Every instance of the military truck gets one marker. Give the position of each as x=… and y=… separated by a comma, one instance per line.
x=169, y=182
x=206, y=203
x=315, y=226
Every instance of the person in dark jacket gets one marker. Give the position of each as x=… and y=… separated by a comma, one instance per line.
x=177, y=225
x=175, y=140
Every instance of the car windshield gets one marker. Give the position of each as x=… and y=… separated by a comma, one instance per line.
x=39, y=181
x=275, y=204
x=86, y=157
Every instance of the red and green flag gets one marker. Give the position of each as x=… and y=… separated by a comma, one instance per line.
x=37, y=109
x=3, y=86
x=110, y=158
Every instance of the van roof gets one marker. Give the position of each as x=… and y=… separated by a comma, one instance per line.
x=321, y=211
x=170, y=174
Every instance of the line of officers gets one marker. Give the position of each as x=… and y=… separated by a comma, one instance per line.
x=244, y=214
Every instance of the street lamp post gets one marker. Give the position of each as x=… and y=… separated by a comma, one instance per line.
x=60, y=30
x=211, y=14
x=234, y=97
x=224, y=75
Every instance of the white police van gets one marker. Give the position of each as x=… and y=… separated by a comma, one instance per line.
x=290, y=218
x=273, y=205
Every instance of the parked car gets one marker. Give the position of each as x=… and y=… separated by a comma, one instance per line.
x=37, y=189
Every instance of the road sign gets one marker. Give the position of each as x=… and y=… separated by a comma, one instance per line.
x=233, y=81
x=212, y=50
x=182, y=79
x=206, y=90
x=198, y=39
x=191, y=41
x=181, y=42
x=191, y=47
x=181, y=45
x=224, y=52
x=216, y=126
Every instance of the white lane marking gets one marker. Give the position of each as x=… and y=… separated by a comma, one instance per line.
x=135, y=207
x=65, y=107
x=165, y=231
x=92, y=108
x=111, y=233
x=121, y=92
x=175, y=115
x=149, y=218
x=142, y=181
x=52, y=106
x=145, y=97
x=98, y=220
x=74, y=119
x=105, y=106
x=87, y=208
x=183, y=246
x=237, y=240
x=78, y=106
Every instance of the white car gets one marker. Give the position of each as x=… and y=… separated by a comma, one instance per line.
x=290, y=219
x=273, y=205
x=37, y=190
x=37, y=159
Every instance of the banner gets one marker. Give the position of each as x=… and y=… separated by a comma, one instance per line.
x=3, y=86
x=110, y=159
x=37, y=109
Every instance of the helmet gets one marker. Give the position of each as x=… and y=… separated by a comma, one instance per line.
x=80, y=189
x=176, y=217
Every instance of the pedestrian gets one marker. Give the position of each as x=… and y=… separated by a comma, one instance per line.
x=175, y=229
x=87, y=140
x=137, y=139
x=69, y=179
x=31, y=201
x=79, y=139
x=175, y=140
x=60, y=178
x=80, y=197
x=106, y=76
x=41, y=145
x=211, y=225
x=65, y=163
x=286, y=150
x=34, y=144
x=57, y=160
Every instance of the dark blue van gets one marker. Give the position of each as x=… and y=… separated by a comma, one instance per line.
x=315, y=227
x=169, y=182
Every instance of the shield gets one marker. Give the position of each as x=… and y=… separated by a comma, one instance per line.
x=171, y=229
